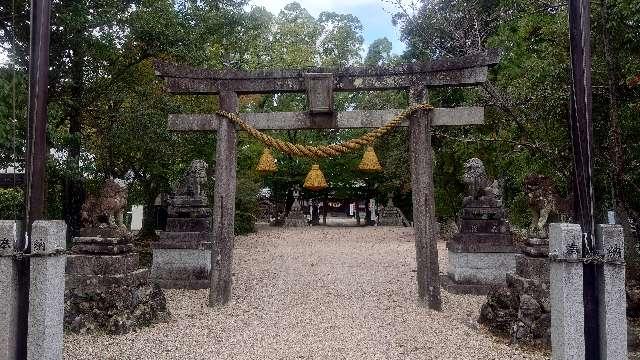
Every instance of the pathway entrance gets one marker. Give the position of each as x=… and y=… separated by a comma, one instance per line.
x=312, y=293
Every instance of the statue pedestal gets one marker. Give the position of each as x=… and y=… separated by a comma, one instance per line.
x=522, y=308
x=182, y=255
x=482, y=253
x=105, y=290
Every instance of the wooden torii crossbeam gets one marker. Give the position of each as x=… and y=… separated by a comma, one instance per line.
x=319, y=85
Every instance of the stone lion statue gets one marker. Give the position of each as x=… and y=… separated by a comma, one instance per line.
x=105, y=209
x=544, y=202
x=194, y=181
x=478, y=185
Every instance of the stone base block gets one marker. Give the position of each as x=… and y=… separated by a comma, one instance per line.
x=181, y=268
x=81, y=264
x=532, y=267
x=295, y=220
x=107, y=232
x=183, y=240
x=114, y=309
x=480, y=268
x=82, y=248
x=481, y=243
x=465, y=289
x=75, y=282
x=189, y=224
x=536, y=251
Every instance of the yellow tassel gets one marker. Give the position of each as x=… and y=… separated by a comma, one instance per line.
x=370, y=161
x=267, y=163
x=315, y=180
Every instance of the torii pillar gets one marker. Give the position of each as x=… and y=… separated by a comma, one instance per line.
x=319, y=84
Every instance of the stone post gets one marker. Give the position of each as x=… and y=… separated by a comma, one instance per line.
x=567, y=307
x=46, y=294
x=427, y=267
x=9, y=232
x=224, y=205
x=612, y=301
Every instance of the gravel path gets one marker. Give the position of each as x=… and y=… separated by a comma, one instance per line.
x=313, y=293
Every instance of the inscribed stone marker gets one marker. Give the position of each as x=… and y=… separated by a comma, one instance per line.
x=46, y=293
x=612, y=301
x=567, y=307
x=9, y=232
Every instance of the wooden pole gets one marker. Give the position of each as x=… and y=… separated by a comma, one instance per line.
x=224, y=205
x=427, y=271
x=36, y=154
x=582, y=141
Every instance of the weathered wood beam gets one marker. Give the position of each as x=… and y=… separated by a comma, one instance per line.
x=491, y=57
x=343, y=120
x=342, y=82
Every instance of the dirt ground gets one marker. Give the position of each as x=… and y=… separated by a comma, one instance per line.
x=313, y=293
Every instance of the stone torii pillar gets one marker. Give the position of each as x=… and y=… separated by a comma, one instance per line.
x=319, y=85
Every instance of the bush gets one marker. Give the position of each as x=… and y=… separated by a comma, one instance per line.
x=11, y=204
x=246, y=206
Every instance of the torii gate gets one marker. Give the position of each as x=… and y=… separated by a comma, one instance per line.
x=319, y=85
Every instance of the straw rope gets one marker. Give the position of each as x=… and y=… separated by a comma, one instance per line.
x=324, y=151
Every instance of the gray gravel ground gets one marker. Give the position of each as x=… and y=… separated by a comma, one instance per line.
x=313, y=293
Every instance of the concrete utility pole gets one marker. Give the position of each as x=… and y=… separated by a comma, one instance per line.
x=36, y=153
x=582, y=141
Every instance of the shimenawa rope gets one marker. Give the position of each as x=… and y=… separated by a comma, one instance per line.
x=324, y=151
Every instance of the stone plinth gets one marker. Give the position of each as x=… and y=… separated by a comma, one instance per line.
x=105, y=288
x=182, y=254
x=482, y=253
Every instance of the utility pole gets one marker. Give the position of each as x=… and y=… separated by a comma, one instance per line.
x=36, y=152
x=582, y=141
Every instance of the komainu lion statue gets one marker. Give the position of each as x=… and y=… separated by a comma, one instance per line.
x=193, y=184
x=107, y=208
x=478, y=184
x=544, y=202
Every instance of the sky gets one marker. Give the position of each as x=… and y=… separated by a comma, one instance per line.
x=375, y=16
